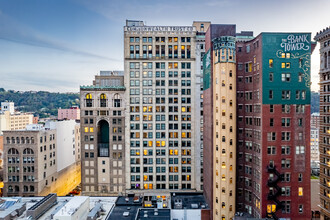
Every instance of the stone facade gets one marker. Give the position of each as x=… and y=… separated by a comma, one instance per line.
x=29, y=162
x=103, y=107
x=323, y=37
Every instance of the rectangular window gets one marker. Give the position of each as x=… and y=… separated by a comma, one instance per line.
x=271, y=63
x=286, y=77
x=271, y=150
x=271, y=77
x=286, y=94
x=270, y=94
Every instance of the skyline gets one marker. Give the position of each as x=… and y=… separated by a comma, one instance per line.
x=70, y=41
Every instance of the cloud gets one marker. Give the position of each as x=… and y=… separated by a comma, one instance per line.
x=40, y=81
x=12, y=31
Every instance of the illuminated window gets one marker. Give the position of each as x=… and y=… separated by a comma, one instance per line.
x=271, y=63
x=223, y=177
x=86, y=129
x=88, y=96
x=287, y=55
x=283, y=55
x=91, y=129
x=223, y=205
x=271, y=208
x=183, y=109
x=300, y=191
x=223, y=165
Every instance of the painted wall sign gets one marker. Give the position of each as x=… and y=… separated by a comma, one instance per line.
x=161, y=28
x=295, y=42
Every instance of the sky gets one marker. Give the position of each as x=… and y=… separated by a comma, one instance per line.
x=58, y=45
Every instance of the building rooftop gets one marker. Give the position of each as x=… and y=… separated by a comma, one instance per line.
x=70, y=208
x=92, y=87
x=124, y=212
x=107, y=204
x=162, y=214
x=188, y=201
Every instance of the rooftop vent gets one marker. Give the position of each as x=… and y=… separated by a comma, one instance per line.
x=126, y=214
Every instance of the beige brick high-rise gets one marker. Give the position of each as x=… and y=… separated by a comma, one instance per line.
x=160, y=80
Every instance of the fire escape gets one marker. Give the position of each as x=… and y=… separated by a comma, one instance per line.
x=273, y=196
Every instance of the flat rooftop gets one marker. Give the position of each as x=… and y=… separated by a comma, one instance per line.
x=124, y=212
x=70, y=207
x=107, y=204
x=189, y=200
x=163, y=214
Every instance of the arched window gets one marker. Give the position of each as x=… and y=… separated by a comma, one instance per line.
x=116, y=100
x=223, y=165
x=28, y=151
x=32, y=140
x=10, y=188
x=22, y=140
x=223, y=205
x=103, y=100
x=231, y=87
x=13, y=151
x=223, y=99
x=13, y=140
x=25, y=188
x=27, y=140
x=17, y=140
x=8, y=140
x=16, y=188
x=89, y=100
x=31, y=188
x=230, y=73
x=223, y=177
x=223, y=190
x=223, y=151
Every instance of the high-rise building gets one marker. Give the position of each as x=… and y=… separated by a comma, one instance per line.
x=323, y=37
x=273, y=138
x=201, y=28
x=315, y=153
x=103, y=135
x=159, y=65
x=220, y=98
